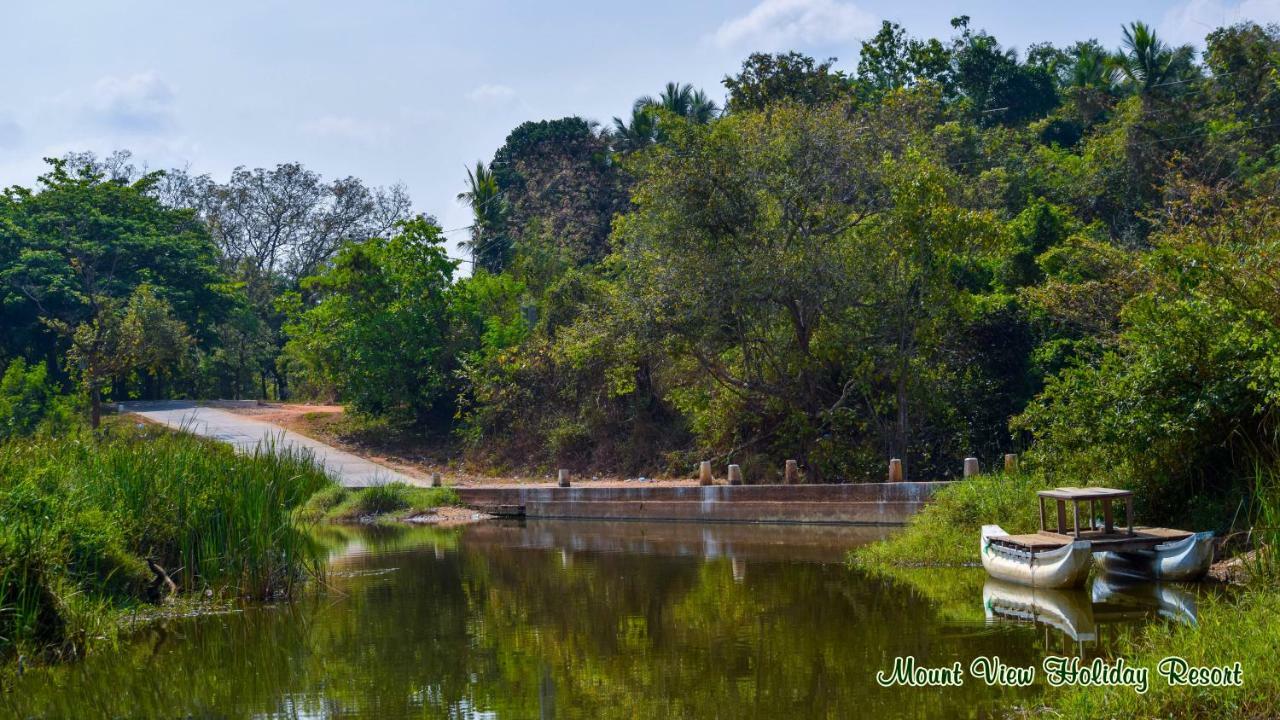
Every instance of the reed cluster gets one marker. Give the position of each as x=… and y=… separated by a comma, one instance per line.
x=91, y=525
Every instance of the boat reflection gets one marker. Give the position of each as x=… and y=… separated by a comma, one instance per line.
x=1078, y=614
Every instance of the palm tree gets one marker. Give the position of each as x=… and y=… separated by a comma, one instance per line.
x=1093, y=68
x=488, y=242
x=683, y=100
x=641, y=132
x=1145, y=62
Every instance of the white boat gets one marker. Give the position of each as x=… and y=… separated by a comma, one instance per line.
x=1068, y=611
x=1186, y=559
x=1061, y=567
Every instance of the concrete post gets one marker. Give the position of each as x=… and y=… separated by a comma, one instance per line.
x=564, y=477
x=895, y=470
x=1011, y=463
x=970, y=466
x=435, y=480
x=791, y=476
x=704, y=473
x=735, y=475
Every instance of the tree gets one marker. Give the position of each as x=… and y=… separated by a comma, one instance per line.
x=1181, y=406
x=121, y=338
x=891, y=61
x=288, y=220
x=767, y=79
x=998, y=87
x=560, y=187
x=377, y=330
x=29, y=400
x=638, y=134
x=275, y=226
x=488, y=244
x=74, y=252
x=1148, y=65
x=683, y=100
x=800, y=279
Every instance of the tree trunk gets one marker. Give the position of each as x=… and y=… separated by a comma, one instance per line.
x=95, y=407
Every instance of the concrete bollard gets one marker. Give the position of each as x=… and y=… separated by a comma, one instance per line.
x=895, y=470
x=435, y=480
x=704, y=473
x=1011, y=463
x=735, y=475
x=564, y=477
x=970, y=466
x=791, y=475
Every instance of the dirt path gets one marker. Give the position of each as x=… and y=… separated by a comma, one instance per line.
x=247, y=433
x=318, y=428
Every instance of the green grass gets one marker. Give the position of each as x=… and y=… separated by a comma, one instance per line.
x=946, y=532
x=1243, y=630
x=390, y=502
x=81, y=513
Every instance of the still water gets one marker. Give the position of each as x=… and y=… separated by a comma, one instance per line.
x=595, y=620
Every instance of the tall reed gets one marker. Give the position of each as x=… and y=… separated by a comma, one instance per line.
x=80, y=516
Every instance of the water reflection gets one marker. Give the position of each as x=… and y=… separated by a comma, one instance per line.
x=565, y=620
x=1082, y=616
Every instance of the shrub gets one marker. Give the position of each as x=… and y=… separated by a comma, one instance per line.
x=29, y=400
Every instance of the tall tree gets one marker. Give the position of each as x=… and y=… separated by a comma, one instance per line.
x=560, y=187
x=1147, y=64
x=379, y=328
x=488, y=244
x=74, y=250
x=766, y=79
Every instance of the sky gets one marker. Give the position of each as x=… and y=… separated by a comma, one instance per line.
x=414, y=91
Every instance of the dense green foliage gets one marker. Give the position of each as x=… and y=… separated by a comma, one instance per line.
x=30, y=402
x=82, y=514
x=953, y=249
x=378, y=328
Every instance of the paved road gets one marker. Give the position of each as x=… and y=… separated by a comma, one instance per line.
x=246, y=434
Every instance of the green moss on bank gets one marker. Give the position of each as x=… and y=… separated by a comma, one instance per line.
x=393, y=501
x=946, y=532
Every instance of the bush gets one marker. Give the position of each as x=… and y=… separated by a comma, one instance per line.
x=29, y=401
x=338, y=504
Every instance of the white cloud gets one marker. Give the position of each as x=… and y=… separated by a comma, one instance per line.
x=491, y=93
x=786, y=24
x=1190, y=20
x=141, y=103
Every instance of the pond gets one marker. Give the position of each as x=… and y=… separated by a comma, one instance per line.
x=568, y=619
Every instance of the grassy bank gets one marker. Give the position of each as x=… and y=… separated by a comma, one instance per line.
x=1228, y=631
x=87, y=522
x=393, y=501
x=945, y=533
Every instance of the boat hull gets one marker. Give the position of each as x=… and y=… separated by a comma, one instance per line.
x=1187, y=560
x=1064, y=567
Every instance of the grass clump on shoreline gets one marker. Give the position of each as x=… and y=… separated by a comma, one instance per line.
x=391, y=501
x=946, y=531
x=1243, y=630
x=93, y=525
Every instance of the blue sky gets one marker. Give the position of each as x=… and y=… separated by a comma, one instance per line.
x=412, y=91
